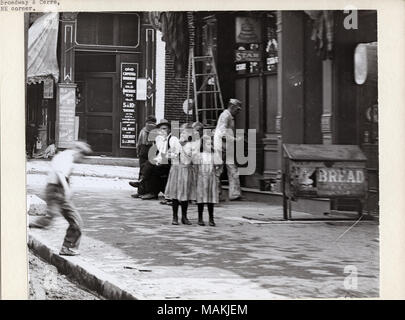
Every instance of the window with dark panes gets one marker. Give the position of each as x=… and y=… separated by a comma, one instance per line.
x=256, y=43
x=271, y=45
x=128, y=31
x=109, y=29
x=92, y=62
x=105, y=29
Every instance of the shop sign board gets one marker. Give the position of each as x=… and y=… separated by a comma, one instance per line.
x=65, y=117
x=323, y=171
x=129, y=75
x=247, y=55
x=342, y=179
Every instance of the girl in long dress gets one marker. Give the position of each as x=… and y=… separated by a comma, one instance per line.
x=180, y=185
x=207, y=182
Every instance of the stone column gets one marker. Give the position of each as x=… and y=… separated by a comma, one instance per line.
x=66, y=88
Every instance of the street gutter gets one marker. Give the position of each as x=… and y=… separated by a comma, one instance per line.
x=90, y=277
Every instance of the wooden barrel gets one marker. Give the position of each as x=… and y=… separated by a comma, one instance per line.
x=365, y=63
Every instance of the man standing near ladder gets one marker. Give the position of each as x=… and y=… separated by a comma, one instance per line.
x=224, y=135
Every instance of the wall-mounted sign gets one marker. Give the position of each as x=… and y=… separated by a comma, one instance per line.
x=129, y=75
x=65, y=117
x=141, y=89
x=248, y=30
x=240, y=67
x=247, y=55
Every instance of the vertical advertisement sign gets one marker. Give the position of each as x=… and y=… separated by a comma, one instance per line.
x=129, y=75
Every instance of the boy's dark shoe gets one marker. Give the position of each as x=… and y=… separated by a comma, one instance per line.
x=65, y=251
x=134, y=184
x=149, y=196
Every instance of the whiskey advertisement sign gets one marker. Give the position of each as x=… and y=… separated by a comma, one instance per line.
x=129, y=75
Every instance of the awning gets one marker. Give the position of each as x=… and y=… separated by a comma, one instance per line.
x=42, y=62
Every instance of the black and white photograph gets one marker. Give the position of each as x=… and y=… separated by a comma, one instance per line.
x=202, y=154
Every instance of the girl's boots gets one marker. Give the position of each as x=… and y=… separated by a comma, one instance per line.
x=175, y=219
x=211, y=221
x=184, y=219
x=200, y=219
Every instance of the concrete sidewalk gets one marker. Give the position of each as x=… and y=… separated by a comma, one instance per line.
x=87, y=170
x=130, y=249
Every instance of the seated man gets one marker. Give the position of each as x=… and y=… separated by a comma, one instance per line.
x=156, y=170
x=143, y=146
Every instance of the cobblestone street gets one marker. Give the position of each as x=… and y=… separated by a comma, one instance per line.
x=133, y=240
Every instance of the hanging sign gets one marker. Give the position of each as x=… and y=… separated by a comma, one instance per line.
x=129, y=75
x=141, y=89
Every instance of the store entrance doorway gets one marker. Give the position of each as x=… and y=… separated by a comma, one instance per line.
x=99, y=101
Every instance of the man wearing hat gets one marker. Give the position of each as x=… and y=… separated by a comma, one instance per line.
x=157, y=169
x=143, y=146
x=223, y=136
x=58, y=196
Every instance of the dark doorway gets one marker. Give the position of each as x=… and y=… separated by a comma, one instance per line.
x=99, y=100
x=97, y=111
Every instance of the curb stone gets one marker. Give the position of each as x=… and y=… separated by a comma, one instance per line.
x=88, y=276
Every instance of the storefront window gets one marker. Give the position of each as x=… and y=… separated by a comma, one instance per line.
x=108, y=29
x=271, y=50
x=248, y=39
x=256, y=51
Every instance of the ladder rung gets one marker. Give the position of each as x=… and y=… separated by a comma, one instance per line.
x=205, y=74
x=213, y=91
x=211, y=109
x=203, y=58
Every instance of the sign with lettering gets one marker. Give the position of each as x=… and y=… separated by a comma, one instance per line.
x=315, y=178
x=65, y=117
x=129, y=75
x=247, y=55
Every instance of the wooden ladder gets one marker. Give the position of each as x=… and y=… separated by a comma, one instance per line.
x=208, y=103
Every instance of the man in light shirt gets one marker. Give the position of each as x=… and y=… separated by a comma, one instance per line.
x=223, y=136
x=59, y=194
